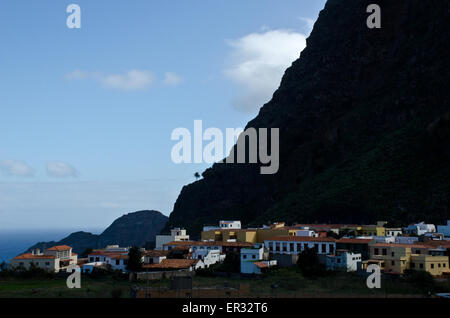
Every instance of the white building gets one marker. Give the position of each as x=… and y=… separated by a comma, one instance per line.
x=393, y=231
x=307, y=232
x=53, y=259
x=343, y=260
x=176, y=235
x=419, y=229
x=155, y=256
x=112, y=256
x=378, y=239
x=235, y=225
x=297, y=244
x=444, y=229
x=209, y=257
x=252, y=261
x=406, y=239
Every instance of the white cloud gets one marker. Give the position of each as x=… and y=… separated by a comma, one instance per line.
x=172, y=79
x=61, y=170
x=16, y=168
x=132, y=80
x=129, y=81
x=258, y=62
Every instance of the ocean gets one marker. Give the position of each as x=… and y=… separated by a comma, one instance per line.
x=15, y=242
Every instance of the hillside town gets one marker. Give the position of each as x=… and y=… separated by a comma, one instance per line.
x=339, y=247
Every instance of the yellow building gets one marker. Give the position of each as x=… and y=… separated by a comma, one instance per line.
x=396, y=258
x=374, y=230
x=248, y=235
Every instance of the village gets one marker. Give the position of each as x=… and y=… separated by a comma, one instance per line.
x=257, y=251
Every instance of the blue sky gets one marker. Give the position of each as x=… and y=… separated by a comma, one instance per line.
x=86, y=114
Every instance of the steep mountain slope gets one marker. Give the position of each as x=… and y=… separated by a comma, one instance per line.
x=132, y=229
x=364, y=118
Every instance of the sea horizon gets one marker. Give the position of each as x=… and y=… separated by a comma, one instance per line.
x=16, y=241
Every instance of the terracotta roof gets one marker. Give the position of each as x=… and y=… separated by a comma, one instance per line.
x=173, y=264
x=31, y=256
x=261, y=265
x=156, y=253
x=59, y=248
x=302, y=239
x=112, y=255
x=119, y=257
x=400, y=245
x=354, y=241
x=205, y=243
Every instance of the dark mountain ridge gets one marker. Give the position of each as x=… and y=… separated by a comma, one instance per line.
x=132, y=229
x=364, y=118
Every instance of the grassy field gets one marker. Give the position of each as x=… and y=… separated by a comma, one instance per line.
x=279, y=283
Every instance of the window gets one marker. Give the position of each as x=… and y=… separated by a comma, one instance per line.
x=47, y=263
x=91, y=259
x=421, y=266
x=324, y=248
x=244, y=256
x=284, y=247
x=291, y=247
x=444, y=265
x=417, y=251
x=316, y=247
x=439, y=265
x=254, y=256
x=97, y=259
x=384, y=251
x=413, y=265
x=299, y=247
x=393, y=254
x=376, y=252
x=393, y=263
x=117, y=261
x=432, y=265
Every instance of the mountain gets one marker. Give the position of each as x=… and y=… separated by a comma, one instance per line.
x=364, y=118
x=132, y=229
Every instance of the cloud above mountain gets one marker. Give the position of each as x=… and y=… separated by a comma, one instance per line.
x=257, y=63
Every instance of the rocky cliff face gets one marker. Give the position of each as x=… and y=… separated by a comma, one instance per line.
x=364, y=118
x=132, y=229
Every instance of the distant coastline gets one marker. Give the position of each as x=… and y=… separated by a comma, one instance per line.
x=16, y=241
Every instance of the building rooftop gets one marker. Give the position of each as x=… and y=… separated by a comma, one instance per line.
x=354, y=241
x=33, y=256
x=172, y=264
x=302, y=239
x=208, y=243
x=59, y=248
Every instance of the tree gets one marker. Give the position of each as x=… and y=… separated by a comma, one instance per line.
x=134, y=259
x=421, y=280
x=308, y=263
x=197, y=175
x=86, y=252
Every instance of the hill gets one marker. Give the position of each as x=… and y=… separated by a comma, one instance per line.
x=364, y=118
x=132, y=229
